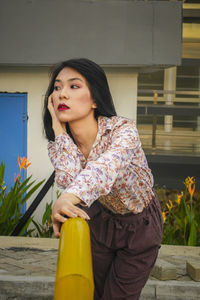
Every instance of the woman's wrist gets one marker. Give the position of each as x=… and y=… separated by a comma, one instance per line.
x=57, y=127
x=73, y=198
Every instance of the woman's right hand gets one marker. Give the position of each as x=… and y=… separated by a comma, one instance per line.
x=51, y=108
x=64, y=206
x=57, y=126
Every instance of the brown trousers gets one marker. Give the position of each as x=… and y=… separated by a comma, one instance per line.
x=124, y=250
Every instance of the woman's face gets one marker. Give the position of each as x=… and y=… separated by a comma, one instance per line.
x=72, y=99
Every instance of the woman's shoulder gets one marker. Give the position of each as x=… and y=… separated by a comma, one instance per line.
x=118, y=121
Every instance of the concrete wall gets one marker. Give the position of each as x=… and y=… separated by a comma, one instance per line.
x=110, y=32
x=34, y=81
x=123, y=85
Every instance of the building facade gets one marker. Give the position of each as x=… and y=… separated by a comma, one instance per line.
x=127, y=38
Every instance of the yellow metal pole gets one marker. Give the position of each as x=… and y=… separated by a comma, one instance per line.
x=74, y=276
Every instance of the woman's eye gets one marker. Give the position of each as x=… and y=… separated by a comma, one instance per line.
x=56, y=88
x=74, y=86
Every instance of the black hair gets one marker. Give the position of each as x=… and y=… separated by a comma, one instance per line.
x=98, y=85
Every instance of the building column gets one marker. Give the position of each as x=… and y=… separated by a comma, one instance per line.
x=169, y=85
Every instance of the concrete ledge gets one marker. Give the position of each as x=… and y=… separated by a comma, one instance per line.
x=149, y=291
x=52, y=243
x=24, y=286
x=28, y=242
x=42, y=287
x=173, y=290
x=164, y=270
x=28, y=268
x=193, y=269
x=176, y=290
x=179, y=250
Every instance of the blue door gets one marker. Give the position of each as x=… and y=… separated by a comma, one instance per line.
x=13, y=133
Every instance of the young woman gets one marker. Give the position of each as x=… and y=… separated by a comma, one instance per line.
x=102, y=168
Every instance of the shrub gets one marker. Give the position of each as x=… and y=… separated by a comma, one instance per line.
x=11, y=201
x=181, y=217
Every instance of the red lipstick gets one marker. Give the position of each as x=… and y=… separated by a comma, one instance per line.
x=62, y=106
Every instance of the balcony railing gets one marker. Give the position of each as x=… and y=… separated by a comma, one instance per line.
x=169, y=121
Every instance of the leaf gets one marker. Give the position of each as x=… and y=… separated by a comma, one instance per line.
x=2, y=169
x=28, y=195
x=8, y=206
x=193, y=235
x=47, y=213
x=23, y=230
x=38, y=227
x=179, y=221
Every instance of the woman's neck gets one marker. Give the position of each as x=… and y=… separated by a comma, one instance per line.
x=84, y=133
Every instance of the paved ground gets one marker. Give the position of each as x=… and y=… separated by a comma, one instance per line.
x=28, y=268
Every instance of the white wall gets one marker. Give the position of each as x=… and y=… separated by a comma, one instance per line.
x=123, y=86
x=34, y=81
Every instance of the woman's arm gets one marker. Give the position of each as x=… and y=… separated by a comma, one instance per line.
x=99, y=176
x=65, y=159
x=63, y=153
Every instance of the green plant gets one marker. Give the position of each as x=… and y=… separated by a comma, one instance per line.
x=45, y=229
x=182, y=217
x=11, y=201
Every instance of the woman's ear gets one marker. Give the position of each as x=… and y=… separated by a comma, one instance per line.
x=94, y=105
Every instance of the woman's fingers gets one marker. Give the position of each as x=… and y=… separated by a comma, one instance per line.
x=82, y=214
x=51, y=106
x=73, y=211
x=79, y=212
x=59, y=218
x=58, y=127
x=64, y=207
x=56, y=229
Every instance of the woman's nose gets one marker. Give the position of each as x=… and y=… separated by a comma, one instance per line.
x=64, y=94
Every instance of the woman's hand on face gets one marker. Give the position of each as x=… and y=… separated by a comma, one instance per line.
x=65, y=205
x=57, y=126
x=51, y=107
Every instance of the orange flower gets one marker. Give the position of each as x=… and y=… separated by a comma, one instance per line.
x=170, y=205
x=164, y=216
x=17, y=177
x=178, y=200
x=23, y=163
x=191, y=189
x=189, y=180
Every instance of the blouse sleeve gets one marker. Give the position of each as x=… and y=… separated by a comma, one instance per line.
x=65, y=159
x=99, y=176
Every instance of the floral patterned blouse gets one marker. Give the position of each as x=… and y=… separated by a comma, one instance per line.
x=116, y=171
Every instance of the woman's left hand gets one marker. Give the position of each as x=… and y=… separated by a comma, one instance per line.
x=65, y=205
